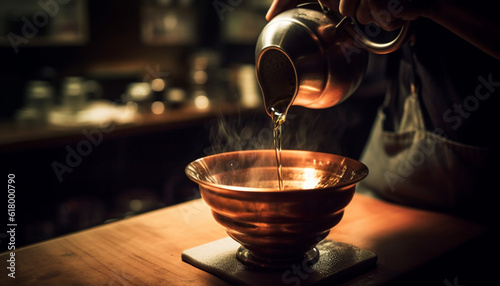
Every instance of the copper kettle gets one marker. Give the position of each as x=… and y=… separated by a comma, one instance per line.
x=313, y=57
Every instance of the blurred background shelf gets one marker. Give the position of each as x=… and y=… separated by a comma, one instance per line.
x=151, y=67
x=17, y=138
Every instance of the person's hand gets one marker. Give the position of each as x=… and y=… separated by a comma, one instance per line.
x=477, y=23
x=388, y=14
x=279, y=6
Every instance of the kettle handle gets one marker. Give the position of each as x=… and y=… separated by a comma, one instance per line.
x=374, y=47
x=367, y=44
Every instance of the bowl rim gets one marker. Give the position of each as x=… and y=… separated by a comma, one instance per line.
x=363, y=173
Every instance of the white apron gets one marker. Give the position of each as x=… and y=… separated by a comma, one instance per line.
x=420, y=168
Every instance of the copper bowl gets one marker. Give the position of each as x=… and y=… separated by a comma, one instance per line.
x=277, y=228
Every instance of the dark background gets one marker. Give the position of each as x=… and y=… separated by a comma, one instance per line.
x=140, y=171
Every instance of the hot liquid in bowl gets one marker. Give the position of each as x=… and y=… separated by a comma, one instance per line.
x=276, y=228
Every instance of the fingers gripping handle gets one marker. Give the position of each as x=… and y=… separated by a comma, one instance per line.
x=367, y=44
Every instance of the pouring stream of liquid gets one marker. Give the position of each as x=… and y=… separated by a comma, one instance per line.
x=278, y=119
x=278, y=80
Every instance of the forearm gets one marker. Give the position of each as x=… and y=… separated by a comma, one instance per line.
x=475, y=22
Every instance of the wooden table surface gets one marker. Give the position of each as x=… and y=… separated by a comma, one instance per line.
x=146, y=249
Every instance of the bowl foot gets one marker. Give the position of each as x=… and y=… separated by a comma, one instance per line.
x=246, y=257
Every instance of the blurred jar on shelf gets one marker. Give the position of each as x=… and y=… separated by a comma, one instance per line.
x=39, y=100
x=175, y=97
x=139, y=95
x=205, y=75
x=168, y=22
x=74, y=94
x=248, y=88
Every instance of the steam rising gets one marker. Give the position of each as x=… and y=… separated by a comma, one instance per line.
x=304, y=129
x=234, y=135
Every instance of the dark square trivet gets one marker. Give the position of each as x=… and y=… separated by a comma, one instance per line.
x=336, y=260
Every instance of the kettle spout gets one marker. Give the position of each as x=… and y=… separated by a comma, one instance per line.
x=277, y=80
